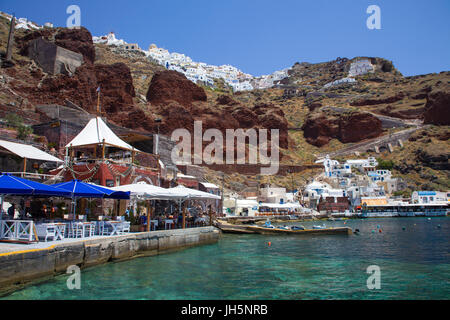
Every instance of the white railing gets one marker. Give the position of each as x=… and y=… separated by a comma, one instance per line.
x=17, y=230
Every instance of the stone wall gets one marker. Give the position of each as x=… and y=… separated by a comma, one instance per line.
x=20, y=268
x=54, y=59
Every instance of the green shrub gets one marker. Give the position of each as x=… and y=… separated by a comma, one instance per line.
x=385, y=164
x=23, y=132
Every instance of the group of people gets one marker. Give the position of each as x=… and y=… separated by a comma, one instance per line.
x=31, y=209
x=177, y=219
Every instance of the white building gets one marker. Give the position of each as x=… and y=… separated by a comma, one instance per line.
x=360, y=67
x=273, y=195
x=425, y=197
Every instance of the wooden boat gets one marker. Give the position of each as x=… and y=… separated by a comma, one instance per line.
x=246, y=229
x=263, y=230
x=234, y=228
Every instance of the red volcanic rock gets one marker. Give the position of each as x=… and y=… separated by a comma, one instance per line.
x=370, y=102
x=272, y=120
x=413, y=113
x=226, y=101
x=136, y=119
x=169, y=86
x=116, y=83
x=264, y=108
x=76, y=40
x=175, y=117
x=80, y=89
x=320, y=128
x=437, y=109
x=359, y=126
x=246, y=117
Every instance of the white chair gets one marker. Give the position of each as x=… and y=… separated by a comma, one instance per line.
x=125, y=227
x=76, y=230
x=50, y=232
x=104, y=229
x=89, y=230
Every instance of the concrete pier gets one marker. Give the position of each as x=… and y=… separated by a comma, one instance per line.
x=22, y=264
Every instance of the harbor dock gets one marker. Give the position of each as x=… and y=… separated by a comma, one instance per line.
x=24, y=264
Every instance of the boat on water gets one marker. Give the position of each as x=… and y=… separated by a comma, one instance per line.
x=300, y=231
x=268, y=228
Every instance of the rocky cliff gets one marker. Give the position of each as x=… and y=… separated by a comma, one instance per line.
x=321, y=127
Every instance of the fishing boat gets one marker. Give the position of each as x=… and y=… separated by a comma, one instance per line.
x=291, y=231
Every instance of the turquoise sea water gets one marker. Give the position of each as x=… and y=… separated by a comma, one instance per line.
x=414, y=263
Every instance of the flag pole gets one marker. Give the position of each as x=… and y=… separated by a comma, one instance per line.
x=98, y=100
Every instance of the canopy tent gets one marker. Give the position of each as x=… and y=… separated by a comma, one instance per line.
x=194, y=194
x=295, y=205
x=27, y=152
x=79, y=189
x=149, y=192
x=97, y=132
x=157, y=193
x=208, y=185
x=12, y=185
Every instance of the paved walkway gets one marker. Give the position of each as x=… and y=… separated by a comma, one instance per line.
x=6, y=247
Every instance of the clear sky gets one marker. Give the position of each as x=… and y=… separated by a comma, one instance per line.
x=262, y=36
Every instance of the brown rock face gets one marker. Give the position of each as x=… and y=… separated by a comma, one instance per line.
x=370, y=102
x=169, y=86
x=437, y=109
x=319, y=129
x=76, y=40
x=226, y=101
x=116, y=85
x=181, y=102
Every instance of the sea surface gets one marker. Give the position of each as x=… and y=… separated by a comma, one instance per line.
x=413, y=255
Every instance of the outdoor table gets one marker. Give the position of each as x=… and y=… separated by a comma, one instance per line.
x=154, y=223
x=168, y=223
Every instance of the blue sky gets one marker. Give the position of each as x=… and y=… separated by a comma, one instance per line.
x=262, y=36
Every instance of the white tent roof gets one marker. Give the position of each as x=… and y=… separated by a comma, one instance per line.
x=26, y=151
x=158, y=193
x=150, y=192
x=194, y=194
x=245, y=203
x=209, y=185
x=281, y=206
x=95, y=132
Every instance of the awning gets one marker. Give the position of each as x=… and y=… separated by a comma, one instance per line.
x=12, y=185
x=194, y=194
x=27, y=151
x=208, y=185
x=150, y=192
x=79, y=189
x=95, y=132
